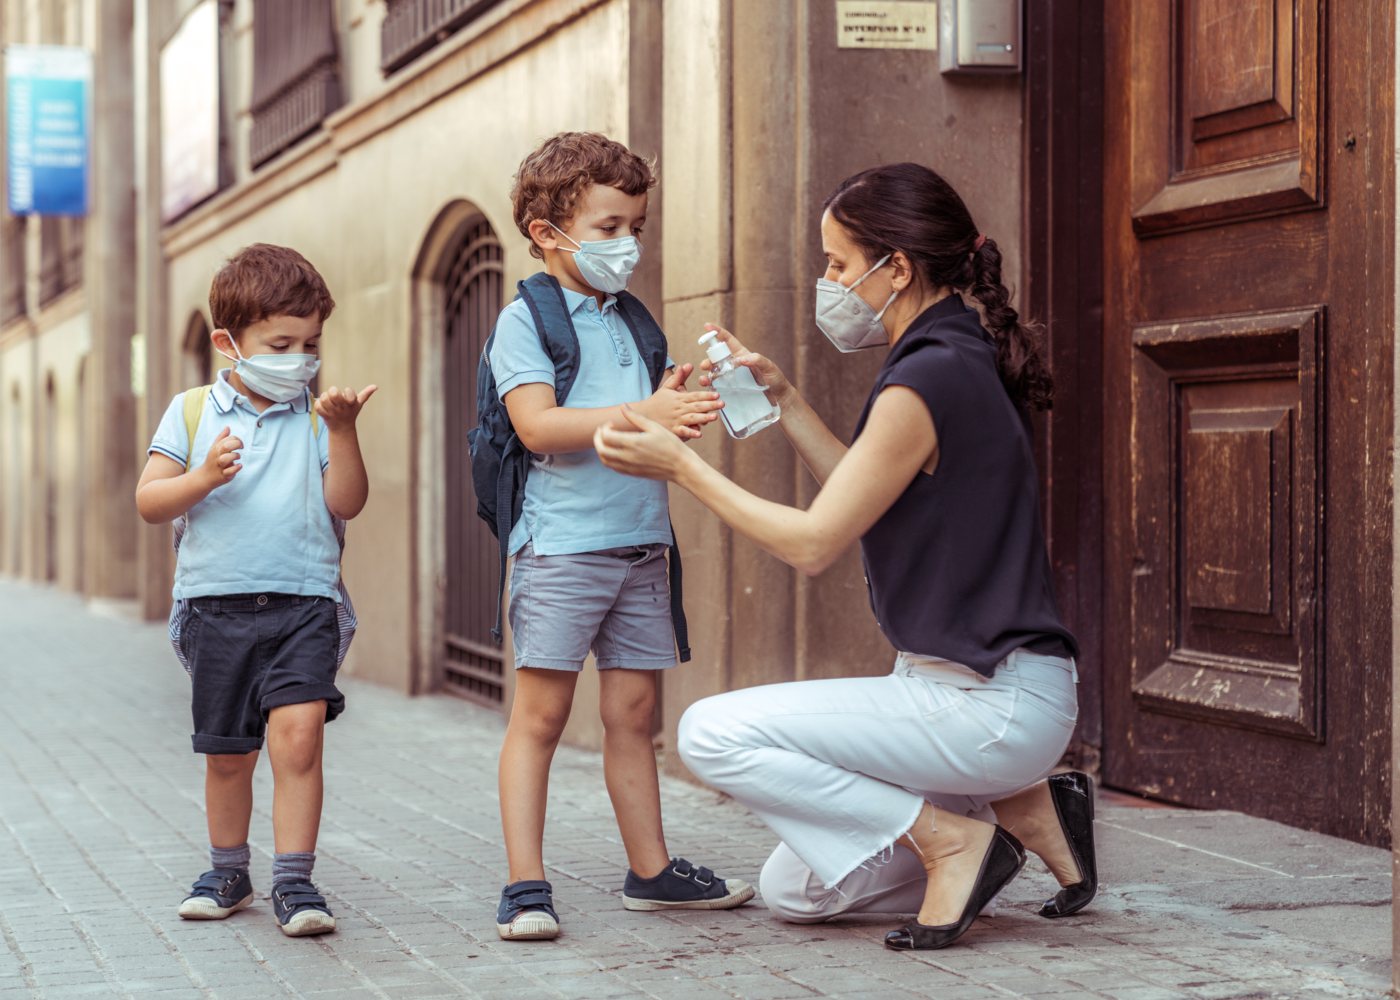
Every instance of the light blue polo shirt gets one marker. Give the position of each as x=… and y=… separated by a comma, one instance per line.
x=573, y=503
x=267, y=531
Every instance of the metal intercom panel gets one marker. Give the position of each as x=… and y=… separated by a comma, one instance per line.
x=979, y=36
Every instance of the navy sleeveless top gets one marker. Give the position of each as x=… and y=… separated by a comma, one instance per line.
x=957, y=568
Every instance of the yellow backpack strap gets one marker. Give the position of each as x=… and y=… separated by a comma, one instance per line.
x=194, y=400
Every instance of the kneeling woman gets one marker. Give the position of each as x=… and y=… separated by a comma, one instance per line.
x=939, y=487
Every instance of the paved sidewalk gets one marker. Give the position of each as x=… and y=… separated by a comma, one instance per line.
x=102, y=830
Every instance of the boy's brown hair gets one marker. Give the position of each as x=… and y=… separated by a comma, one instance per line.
x=263, y=280
x=553, y=178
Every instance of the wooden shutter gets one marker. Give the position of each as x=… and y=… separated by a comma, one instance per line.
x=296, y=72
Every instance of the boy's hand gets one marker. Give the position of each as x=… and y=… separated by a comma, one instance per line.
x=222, y=464
x=680, y=411
x=339, y=407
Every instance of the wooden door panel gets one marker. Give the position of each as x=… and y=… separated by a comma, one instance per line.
x=1230, y=112
x=1249, y=220
x=1227, y=520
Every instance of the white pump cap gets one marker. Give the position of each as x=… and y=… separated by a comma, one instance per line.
x=717, y=349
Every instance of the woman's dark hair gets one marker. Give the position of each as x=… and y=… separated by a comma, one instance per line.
x=908, y=207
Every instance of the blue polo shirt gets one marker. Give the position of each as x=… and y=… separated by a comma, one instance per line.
x=267, y=531
x=573, y=503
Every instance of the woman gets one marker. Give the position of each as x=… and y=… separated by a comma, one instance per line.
x=939, y=487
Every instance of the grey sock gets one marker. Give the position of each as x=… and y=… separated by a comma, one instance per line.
x=230, y=857
x=292, y=867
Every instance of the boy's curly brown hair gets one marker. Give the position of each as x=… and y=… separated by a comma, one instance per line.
x=553, y=178
x=261, y=281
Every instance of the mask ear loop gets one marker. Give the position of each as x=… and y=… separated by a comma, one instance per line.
x=566, y=236
x=235, y=350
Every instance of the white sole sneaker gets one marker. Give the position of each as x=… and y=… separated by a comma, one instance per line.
x=739, y=893
x=533, y=925
x=308, y=922
x=204, y=908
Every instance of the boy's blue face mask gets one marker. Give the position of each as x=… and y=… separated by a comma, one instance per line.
x=606, y=265
x=278, y=377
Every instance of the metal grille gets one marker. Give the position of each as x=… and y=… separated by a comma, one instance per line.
x=296, y=78
x=472, y=661
x=412, y=27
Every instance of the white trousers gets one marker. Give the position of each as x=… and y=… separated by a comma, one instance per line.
x=840, y=769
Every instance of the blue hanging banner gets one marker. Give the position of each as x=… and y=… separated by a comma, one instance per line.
x=48, y=92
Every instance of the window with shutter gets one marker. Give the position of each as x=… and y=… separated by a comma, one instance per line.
x=296, y=72
x=412, y=27
x=11, y=268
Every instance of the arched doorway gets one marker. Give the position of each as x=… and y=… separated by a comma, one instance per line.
x=472, y=290
x=197, y=355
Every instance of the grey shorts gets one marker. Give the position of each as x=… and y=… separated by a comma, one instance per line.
x=616, y=602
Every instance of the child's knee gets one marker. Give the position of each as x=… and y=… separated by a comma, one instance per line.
x=543, y=725
x=295, y=735
x=632, y=710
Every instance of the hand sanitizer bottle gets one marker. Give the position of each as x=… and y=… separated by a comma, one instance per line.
x=746, y=406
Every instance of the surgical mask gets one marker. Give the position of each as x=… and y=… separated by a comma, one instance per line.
x=278, y=377
x=848, y=320
x=606, y=265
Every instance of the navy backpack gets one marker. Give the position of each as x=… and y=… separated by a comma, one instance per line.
x=500, y=462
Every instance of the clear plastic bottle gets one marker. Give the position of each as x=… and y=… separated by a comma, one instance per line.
x=746, y=407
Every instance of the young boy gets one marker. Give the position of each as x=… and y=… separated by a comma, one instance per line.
x=270, y=471
x=590, y=547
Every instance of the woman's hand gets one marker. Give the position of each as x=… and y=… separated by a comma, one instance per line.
x=642, y=448
x=765, y=372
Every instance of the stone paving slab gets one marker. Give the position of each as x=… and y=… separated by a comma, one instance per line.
x=102, y=829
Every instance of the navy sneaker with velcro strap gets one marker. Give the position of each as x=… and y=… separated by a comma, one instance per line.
x=526, y=912
x=218, y=893
x=301, y=910
x=683, y=886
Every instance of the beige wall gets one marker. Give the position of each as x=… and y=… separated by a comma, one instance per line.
x=754, y=115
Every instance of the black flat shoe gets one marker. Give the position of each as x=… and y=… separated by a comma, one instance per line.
x=1073, y=795
x=1004, y=858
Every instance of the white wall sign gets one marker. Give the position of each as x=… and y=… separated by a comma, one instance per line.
x=887, y=24
x=189, y=112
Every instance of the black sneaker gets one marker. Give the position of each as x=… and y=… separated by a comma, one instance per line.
x=218, y=893
x=301, y=910
x=683, y=886
x=527, y=912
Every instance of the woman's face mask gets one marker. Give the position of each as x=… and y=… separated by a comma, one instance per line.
x=848, y=321
x=606, y=265
x=278, y=377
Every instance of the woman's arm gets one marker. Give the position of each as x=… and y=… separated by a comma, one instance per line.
x=898, y=441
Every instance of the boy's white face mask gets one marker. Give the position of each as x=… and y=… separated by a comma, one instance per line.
x=278, y=377
x=606, y=265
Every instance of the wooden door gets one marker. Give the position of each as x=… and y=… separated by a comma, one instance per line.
x=1247, y=370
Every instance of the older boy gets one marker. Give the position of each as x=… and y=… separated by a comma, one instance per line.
x=258, y=467
x=590, y=547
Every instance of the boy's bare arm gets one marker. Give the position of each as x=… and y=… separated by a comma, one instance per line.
x=346, y=483
x=167, y=491
x=549, y=429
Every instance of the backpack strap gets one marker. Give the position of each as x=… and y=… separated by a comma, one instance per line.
x=651, y=342
x=543, y=295
x=193, y=401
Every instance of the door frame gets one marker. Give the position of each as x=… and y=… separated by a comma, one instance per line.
x=1064, y=254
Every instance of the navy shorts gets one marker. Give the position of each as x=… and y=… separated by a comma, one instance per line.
x=251, y=653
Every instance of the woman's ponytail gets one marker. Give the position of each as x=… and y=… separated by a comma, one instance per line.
x=910, y=208
x=1020, y=358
